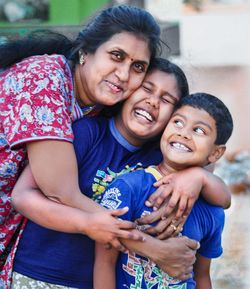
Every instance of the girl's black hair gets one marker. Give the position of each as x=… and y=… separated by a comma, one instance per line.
x=110, y=21
x=169, y=67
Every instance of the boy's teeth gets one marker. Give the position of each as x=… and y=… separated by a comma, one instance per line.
x=180, y=146
x=145, y=114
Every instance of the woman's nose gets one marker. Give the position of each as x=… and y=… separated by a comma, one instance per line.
x=122, y=72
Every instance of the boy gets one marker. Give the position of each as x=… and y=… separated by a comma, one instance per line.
x=195, y=136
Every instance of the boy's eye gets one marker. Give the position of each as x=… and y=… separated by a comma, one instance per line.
x=199, y=130
x=139, y=67
x=178, y=123
x=117, y=55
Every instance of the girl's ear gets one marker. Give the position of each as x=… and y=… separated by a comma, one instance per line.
x=216, y=153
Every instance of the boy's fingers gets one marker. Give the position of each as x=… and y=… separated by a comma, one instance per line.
x=151, y=200
x=182, y=206
x=189, y=207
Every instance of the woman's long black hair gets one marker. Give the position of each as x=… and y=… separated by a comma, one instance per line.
x=100, y=29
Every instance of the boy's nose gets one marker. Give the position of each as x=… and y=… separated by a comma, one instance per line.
x=184, y=133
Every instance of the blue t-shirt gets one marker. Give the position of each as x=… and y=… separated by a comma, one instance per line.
x=204, y=224
x=67, y=259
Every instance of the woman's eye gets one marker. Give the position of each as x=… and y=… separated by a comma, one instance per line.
x=199, y=130
x=116, y=55
x=139, y=67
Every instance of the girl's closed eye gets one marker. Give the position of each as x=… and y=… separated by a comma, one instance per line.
x=168, y=99
x=147, y=88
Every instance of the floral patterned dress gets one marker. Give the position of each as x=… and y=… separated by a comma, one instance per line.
x=36, y=103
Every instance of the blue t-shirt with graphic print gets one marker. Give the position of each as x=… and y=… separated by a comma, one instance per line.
x=67, y=259
x=204, y=224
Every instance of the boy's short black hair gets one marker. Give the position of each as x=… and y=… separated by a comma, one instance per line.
x=216, y=109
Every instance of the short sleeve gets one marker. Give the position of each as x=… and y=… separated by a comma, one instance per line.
x=37, y=95
x=211, y=244
x=85, y=132
x=118, y=195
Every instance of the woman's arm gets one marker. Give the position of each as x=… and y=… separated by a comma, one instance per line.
x=99, y=225
x=54, y=167
x=104, y=267
x=202, y=272
x=175, y=256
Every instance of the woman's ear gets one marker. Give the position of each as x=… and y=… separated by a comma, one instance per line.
x=216, y=153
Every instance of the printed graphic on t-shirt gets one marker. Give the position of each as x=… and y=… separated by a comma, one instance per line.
x=103, y=179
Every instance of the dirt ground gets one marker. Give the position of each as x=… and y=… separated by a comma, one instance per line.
x=232, y=270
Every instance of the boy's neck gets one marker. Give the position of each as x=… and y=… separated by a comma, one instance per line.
x=164, y=170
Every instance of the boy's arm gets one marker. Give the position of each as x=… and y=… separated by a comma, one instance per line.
x=202, y=272
x=104, y=267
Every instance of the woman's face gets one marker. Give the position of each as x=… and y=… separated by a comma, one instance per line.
x=114, y=71
x=147, y=111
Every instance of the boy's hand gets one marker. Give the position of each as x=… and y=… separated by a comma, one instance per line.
x=181, y=189
x=105, y=228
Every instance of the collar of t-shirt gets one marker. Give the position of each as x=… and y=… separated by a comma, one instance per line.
x=120, y=138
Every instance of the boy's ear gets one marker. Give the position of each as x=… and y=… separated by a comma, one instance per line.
x=216, y=153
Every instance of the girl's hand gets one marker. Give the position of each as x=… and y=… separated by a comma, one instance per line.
x=166, y=227
x=181, y=189
x=105, y=228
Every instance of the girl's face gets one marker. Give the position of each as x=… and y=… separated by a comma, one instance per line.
x=147, y=111
x=114, y=71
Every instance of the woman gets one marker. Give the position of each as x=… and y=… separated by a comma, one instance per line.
x=41, y=95
x=67, y=259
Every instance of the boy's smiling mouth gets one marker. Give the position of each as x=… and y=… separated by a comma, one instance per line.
x=180, y=146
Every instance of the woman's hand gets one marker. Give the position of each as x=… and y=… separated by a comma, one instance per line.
x=105, y=227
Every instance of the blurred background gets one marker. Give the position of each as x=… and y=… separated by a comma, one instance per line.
x=210, y=39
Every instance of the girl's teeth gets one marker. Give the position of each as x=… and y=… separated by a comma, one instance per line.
x=145, y=114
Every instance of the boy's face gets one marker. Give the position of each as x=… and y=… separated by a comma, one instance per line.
x=189, y=139
x=147, y=111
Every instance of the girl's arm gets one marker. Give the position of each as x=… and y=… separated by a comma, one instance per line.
x=202, y=272
x=98, y=223
x=182, y=189
x=104, y=267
